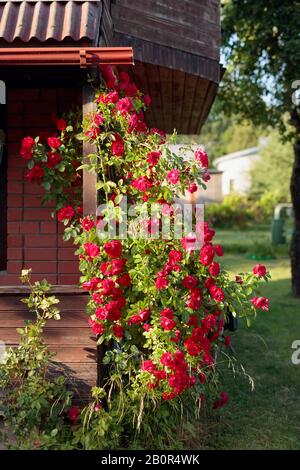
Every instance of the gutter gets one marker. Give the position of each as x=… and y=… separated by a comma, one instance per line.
x=65, y=56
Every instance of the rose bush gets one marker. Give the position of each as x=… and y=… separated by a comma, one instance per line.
x=158, y=305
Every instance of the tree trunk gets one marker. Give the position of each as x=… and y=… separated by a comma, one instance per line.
x=295, y=195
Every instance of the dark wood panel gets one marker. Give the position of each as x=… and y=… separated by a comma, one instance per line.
x=67, y=302
x=54, y=336
x=72, y=354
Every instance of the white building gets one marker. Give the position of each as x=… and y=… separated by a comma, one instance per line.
x=236, y=169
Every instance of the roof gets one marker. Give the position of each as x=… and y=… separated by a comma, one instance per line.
x=49, y=20
x=252, y=151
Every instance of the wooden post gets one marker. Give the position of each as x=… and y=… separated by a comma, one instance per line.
x=89, y=191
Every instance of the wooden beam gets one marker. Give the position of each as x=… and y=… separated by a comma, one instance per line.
x=89, y=191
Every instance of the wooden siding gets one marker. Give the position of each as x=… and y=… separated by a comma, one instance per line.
x=70, y=338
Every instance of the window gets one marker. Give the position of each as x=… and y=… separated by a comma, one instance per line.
x=3, y=178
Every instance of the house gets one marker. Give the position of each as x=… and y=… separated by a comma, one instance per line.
x=236, y=168
x=47, y=48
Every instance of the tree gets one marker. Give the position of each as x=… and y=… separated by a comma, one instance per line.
x=262, y=52
x=266, y=173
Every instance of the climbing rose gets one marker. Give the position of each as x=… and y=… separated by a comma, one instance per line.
x=161, y=283
x=35, y=174
x=147, y=100
x=61, y=124
x=192, y=188
x=189, y=282
x=260, y=302
x=193, y=348
x=118, y=331
x=214, y=269
x=65, y=213
x=201, y=157
x=142, y=183
x=111, y=97
x=259, y=270
x=148, y=366
x=153, y=158
x=221, y=401
x=173, y=176
x=239, y=280
x=175, y=256
x=124, y=106
x=27, y=148
x=124, y=280
x=217, y=293
x=167, y=313
x=54, y=142
x=189, y=242
x=207, y=255
x=87, y=224
x=117, y=146
x=98, y=119
x=91, y=249
x=97, y=328
x=227, y=341
x=53, y=159
x=219, y=250
x=167, y=323
x=113, y=248
x=73, y=413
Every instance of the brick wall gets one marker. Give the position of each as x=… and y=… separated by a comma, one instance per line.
x=34, y=238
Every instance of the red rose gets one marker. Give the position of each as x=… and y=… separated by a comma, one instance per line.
x=113, y=248
x=87, y=224
x=261, y=303
x=219, y=250
x=148, y=366
x=54, y=142
x=227, y=341
x=239, y=280
x=73, y=413
x=217, y=293
x=61, y=124
x=193, y=348
x=91, y=249
x=259, y=270
x=189, y=282
x=192, y=188
x=117, y=146
x=142, y=183
x=53, y=158
x=173, y=176
x=175, y=256
x=97, y=328
x=161, y=283
x=118, y=331
x=221, y=401
x=27, y=148
x=167, y=323
x=92, y=284
x=189, y=242
x=65, y=213
x=214, y=269
x=153, y=158
x=124, y=280
x=98, y=119
x=201, y=157
x=167, y=313
x=35, y=174
x=207, y=255
x=124, y=106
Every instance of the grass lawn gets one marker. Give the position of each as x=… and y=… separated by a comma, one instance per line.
x=269, y=416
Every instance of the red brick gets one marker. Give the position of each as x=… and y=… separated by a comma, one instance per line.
x=15, y=120
x=15, y=254
x=68, y=267
x=49, y=94
x=37, y=214
x=15, y=187
x=29, y=227
x=15, y=107
x=15, y=173
x=35, y=200
x=48, y=227
x=15, y=214
x=39, y=107
x=62, y=243
x=40, y=241
x=14, y=241
x=43, y=267
x=68, y=280
x=13, y=227
x=33, y=188
x=16, y=135
x=66, y=254
x=23, y=94
x=9, y=280
x=40, y=254
x=14, y=267
x=38, y=120
x=14, y=200
x=52, y=278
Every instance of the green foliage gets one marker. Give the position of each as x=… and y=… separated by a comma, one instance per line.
x=271, y=174
x=233, y=211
